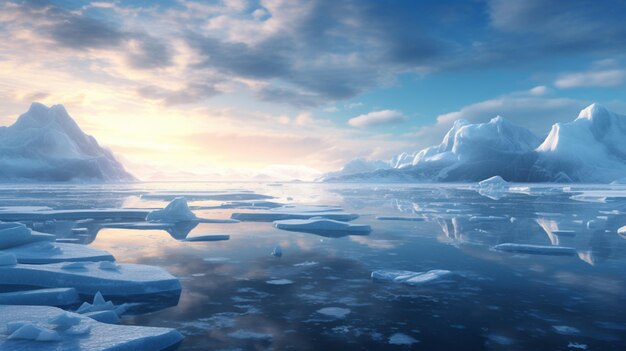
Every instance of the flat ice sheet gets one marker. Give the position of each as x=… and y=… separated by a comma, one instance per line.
x=53, y=252
x=90, y=277
x=270, y=216
x=409, y=277
x=94, y=335
x=537, y=249
x=321, y=224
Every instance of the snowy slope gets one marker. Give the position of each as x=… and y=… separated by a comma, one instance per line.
x=46, y=144
x=592, y=148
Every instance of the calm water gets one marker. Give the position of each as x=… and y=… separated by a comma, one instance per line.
x=493, y=301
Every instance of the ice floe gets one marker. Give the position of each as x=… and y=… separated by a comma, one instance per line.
x=33, y=328
x=321, y=225
x=52, y=252
x=41, y=297
x=208, y=237
x=279, y=282
x=409, y=277
x=334, y=312
x=89, y=278
x=401, y=339
x=270, y=216
x=399, y=218
x=536, y=249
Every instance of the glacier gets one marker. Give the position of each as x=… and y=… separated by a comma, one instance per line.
x=46, y=145
x=591, y=149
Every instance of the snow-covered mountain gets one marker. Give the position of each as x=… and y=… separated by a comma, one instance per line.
x=46, y=144
x=592, y=148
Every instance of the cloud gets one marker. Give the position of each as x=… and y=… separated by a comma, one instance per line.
x=561, y=25
x=377, y=119
x=594, y=78
x=191, y=93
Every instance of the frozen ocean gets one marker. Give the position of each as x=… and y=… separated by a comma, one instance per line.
x=325, y=266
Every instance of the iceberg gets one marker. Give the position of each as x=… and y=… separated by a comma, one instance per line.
x=321, y=225
x=536, y=249
x=52, y=328
x=409, y=277
x=46, y=144
x=591, y=148
x=176, y=211
x=88, y=278
x=208, y=237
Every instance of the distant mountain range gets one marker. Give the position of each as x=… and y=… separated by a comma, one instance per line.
x=591, y=148
x=46, y=144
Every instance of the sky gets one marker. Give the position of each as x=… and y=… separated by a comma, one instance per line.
x=291, y=89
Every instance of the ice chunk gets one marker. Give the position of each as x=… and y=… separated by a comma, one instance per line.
x=48, y=252
x=578, y=346
x=7, y=259
x=536, y=249
x=321, y=225
x=335, y=312
x=129, y=280
x=401, y=339
x=270, y=216
x=494, y=188
x=398, y=218
x=277, y=251
x=208, y=237
x=565, y=330
x=87, y=335
x=100, y=304
x=109, y=266
x=16, y=234
x=41, y=297
x=409, y=277
x=176, y=211
x=279, y=282
x=29, y=331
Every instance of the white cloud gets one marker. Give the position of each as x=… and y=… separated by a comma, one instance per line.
x=595, y=78
x=378, y=118
x=538, y=90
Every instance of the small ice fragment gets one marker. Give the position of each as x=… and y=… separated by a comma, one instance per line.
x=565, y=330
x=575, y=345
x=79, y=330
x=305, y=264
x=335, y=312
x=30, y=331
x=277, y=251
x=279, y=282
x=401, y=339
x=409, y=277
